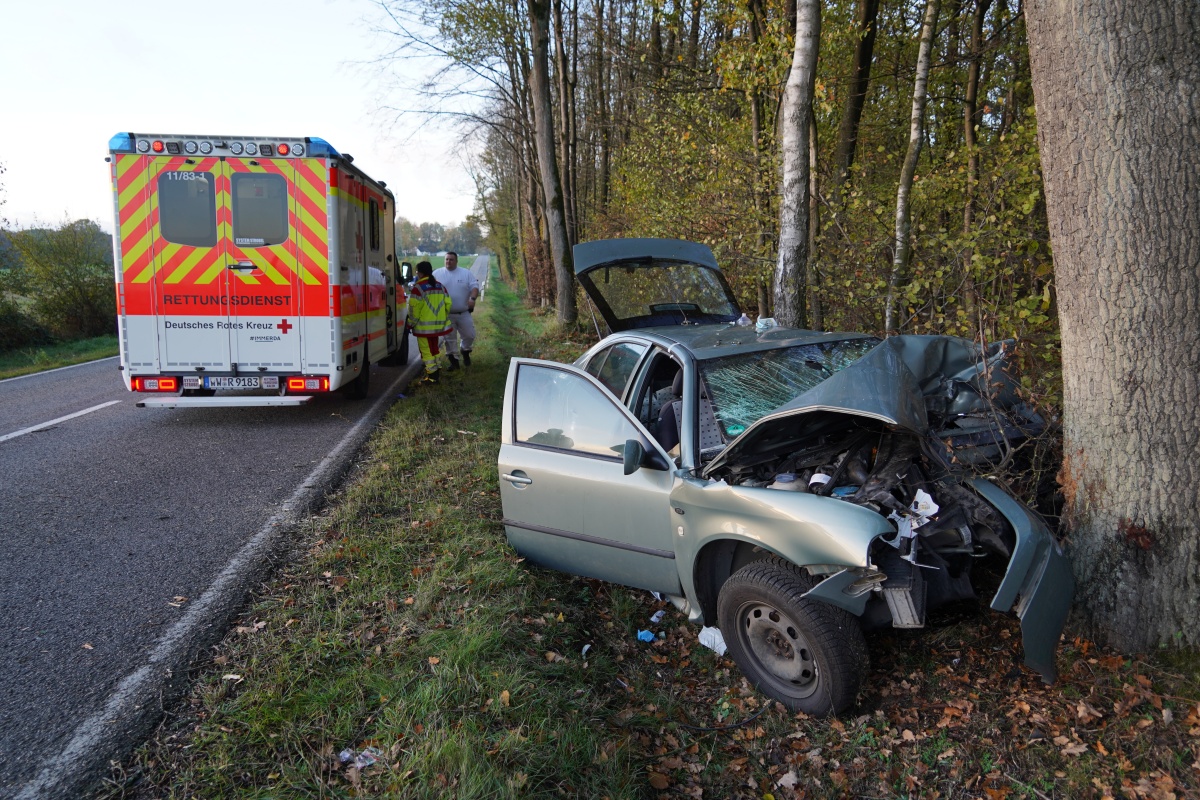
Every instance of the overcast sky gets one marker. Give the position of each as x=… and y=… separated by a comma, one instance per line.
x=75, y=72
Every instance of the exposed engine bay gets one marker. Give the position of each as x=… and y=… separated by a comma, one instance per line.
x=941, y=525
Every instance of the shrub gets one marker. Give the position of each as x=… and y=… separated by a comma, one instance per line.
x=69, y=277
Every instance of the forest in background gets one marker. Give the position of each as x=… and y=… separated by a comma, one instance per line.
x=666, y=123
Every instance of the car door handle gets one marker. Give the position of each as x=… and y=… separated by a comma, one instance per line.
x=242, y=265
x=517, y=479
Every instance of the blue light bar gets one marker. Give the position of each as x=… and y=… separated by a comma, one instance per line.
x=319, y=148
x=121, y=143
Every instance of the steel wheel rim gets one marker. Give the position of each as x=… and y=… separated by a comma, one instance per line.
x=780, y=648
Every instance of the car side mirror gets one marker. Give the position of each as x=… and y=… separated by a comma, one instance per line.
x=635, y=454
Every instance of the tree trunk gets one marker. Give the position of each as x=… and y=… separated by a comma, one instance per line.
x=812, y=276
x=868, y=11
x=693, y=54
x=543, y=123
x=793, y=213
x=602, y=101
x=916, y=136
x=762, y=200
x=1119, y=131
x=566, y=116
x=971, y=144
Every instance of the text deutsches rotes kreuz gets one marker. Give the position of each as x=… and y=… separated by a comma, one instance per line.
x=221, y=325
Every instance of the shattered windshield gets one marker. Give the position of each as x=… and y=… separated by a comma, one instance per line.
x=662, y=292
x=746, y=387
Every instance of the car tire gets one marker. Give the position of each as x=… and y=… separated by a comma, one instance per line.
x=803, y=652
x=357, y=389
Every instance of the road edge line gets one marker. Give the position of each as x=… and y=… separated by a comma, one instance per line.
x=141, y=697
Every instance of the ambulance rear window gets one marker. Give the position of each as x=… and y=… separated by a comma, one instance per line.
x=187, y=208
x=260, y=210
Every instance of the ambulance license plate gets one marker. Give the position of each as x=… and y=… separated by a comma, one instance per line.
x=214, y=382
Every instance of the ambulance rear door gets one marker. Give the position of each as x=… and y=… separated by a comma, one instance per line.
x=187, y=264
x=263, y=270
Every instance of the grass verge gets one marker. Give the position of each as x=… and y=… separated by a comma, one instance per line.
x=410, y=653
x=39, y=359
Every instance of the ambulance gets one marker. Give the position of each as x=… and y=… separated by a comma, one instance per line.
x=262, y=268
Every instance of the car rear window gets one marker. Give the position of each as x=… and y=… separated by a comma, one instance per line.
x=663, y=291
x=187, y=208
x=744, y=388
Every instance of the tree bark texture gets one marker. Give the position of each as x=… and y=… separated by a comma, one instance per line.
x=916, y=136
x=543, y=122
x=868, y=12
x=793, y=214
x=1115, y=84
x=813, y=315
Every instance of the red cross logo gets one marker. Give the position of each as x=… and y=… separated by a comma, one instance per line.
x=284, y=325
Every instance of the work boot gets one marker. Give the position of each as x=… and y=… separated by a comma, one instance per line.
x=430, y=378
x=454, y=362
x=466, y=354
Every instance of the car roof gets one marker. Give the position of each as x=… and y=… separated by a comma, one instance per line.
x=715, y=341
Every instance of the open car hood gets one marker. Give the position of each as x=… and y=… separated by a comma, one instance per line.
x=639, y=283
x=902, y=382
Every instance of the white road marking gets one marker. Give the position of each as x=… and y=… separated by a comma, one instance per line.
x=54, y=422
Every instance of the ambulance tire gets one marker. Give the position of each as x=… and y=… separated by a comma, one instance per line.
x=357, y=389
x=402, y=354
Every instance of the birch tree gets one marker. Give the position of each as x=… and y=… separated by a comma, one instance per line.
x=792, y=263
x=916, y=136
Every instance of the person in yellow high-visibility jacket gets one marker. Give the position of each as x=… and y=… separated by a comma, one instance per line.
x=428, y=317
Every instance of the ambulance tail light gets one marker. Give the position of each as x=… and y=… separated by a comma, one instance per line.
x=306, y=384
x=163, y=383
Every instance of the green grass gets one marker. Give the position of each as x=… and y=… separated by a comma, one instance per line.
x=39, y=359
x=410, y=627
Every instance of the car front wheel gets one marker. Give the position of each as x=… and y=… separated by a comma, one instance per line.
x=805, y=653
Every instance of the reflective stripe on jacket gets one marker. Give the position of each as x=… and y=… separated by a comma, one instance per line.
x=428, y=308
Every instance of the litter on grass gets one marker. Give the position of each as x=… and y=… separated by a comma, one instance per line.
x=713, y=640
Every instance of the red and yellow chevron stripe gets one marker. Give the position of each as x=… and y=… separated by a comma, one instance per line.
x=155, y=271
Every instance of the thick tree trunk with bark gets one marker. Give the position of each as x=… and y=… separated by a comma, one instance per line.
x=916, y=136
x=1115, y=82
x=793, y=214
x=543, y=123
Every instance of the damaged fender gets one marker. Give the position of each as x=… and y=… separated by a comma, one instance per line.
x=1039, y=574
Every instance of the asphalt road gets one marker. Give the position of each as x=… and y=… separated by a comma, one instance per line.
x=130, y=536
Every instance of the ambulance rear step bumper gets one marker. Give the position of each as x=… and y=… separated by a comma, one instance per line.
x=224, y=402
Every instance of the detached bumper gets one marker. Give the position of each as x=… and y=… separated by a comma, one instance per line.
x=1038, y=582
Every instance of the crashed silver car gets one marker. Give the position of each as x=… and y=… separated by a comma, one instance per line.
x=791, y=487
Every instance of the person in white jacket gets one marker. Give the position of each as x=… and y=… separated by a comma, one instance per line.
x=463, y=288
